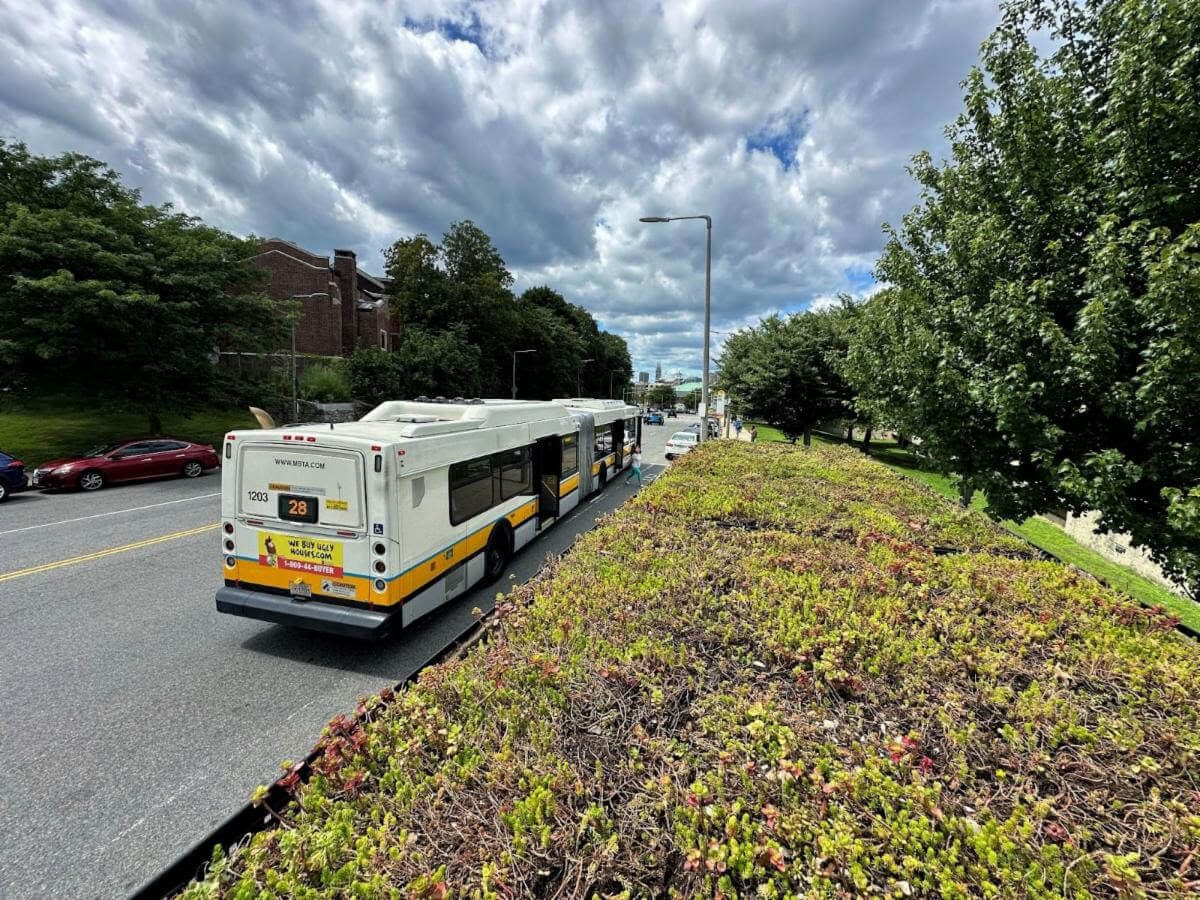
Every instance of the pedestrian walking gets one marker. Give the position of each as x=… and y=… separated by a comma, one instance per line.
x=737, y=428
x=753, y=433
x=636, y=468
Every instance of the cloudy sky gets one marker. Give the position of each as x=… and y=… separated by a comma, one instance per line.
x=554, y=125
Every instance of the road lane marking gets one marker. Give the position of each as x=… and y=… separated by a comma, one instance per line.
x=88, y=557
x=112, y=513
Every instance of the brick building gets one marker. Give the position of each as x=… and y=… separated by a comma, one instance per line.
x=342, y=308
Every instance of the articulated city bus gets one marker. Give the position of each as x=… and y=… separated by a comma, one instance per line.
x=361, y=528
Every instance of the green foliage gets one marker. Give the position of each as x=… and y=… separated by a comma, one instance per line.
x=325, y=382
x=427, y=363
x=661, y=396
x=114, y=298
x=53, y=427
x=374, y=376
x=439, y=363
x=820, y=680
x=459, y=292
x=787, y=372
x=1042, y=335
x=1041, y=533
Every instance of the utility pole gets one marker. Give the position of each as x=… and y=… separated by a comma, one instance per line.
x=579, y=376
x=610, y=387
x=707, y=306
x=295, y=380
x=514, y=370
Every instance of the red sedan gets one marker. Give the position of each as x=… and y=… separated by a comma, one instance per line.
x=126, y=461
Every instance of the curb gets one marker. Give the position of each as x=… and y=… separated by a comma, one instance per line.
x=251, y=819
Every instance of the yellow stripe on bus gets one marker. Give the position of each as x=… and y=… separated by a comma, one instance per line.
x=429, y=570
x=569, y=485
x=400, y=588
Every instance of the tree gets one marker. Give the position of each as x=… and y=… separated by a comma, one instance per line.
x=661, y=396
x=374, y=376
x=612, y=365
x=1045, y=338
x=104, y=296
x=433, y=364
x=783, y=372
x=438, y=364
x=462, y=287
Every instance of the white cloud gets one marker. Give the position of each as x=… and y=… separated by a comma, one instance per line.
x=554, y=125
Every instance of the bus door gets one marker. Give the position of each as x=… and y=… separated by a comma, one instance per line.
x=547, y=461
x=618, y=438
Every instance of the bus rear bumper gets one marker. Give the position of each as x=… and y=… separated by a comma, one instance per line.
x=365, y=624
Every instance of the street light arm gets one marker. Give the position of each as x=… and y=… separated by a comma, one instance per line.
x=707, y=219
x=707, y=306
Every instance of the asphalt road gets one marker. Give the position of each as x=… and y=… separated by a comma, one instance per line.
x=133, y=717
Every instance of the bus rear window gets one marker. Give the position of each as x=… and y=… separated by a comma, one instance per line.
x=327, y=484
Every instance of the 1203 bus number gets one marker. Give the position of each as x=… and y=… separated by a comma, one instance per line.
x=258, y=496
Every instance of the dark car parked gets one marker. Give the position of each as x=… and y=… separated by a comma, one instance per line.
x=126, y=461
x=12, y=476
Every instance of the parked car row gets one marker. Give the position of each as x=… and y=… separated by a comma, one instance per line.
x=138, y=460
x=12, y=476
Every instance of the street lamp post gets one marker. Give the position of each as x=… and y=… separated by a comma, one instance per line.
x=514, y=380
x=579, y=375
x=707, y=305
x=611, y=373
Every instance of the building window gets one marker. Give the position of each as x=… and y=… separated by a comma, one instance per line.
x=570, y=454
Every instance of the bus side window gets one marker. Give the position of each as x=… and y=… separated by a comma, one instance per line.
x=470, y=489
x=570, y=454
x=516, y=472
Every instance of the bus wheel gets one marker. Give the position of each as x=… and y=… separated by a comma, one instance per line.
x=497, y=554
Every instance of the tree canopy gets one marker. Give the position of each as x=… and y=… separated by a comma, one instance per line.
x=458, y=292
x=786, y=371
x=1042, y=330
x=113, y=299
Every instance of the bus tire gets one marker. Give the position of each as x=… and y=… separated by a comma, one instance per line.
x=497, y=553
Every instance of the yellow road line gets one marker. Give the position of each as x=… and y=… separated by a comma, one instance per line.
x=88, y=557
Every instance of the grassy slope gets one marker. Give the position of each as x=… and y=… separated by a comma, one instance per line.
x=1042, y=534
x=35, y=433
x=774, y=673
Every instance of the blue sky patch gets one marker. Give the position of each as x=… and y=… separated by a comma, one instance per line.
x=859, y=279
x=779, y=138
x=470, y=30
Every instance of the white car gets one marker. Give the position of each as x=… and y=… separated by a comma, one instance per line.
x=681, y=442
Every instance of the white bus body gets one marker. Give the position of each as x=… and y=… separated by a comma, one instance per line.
x=360, y=528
